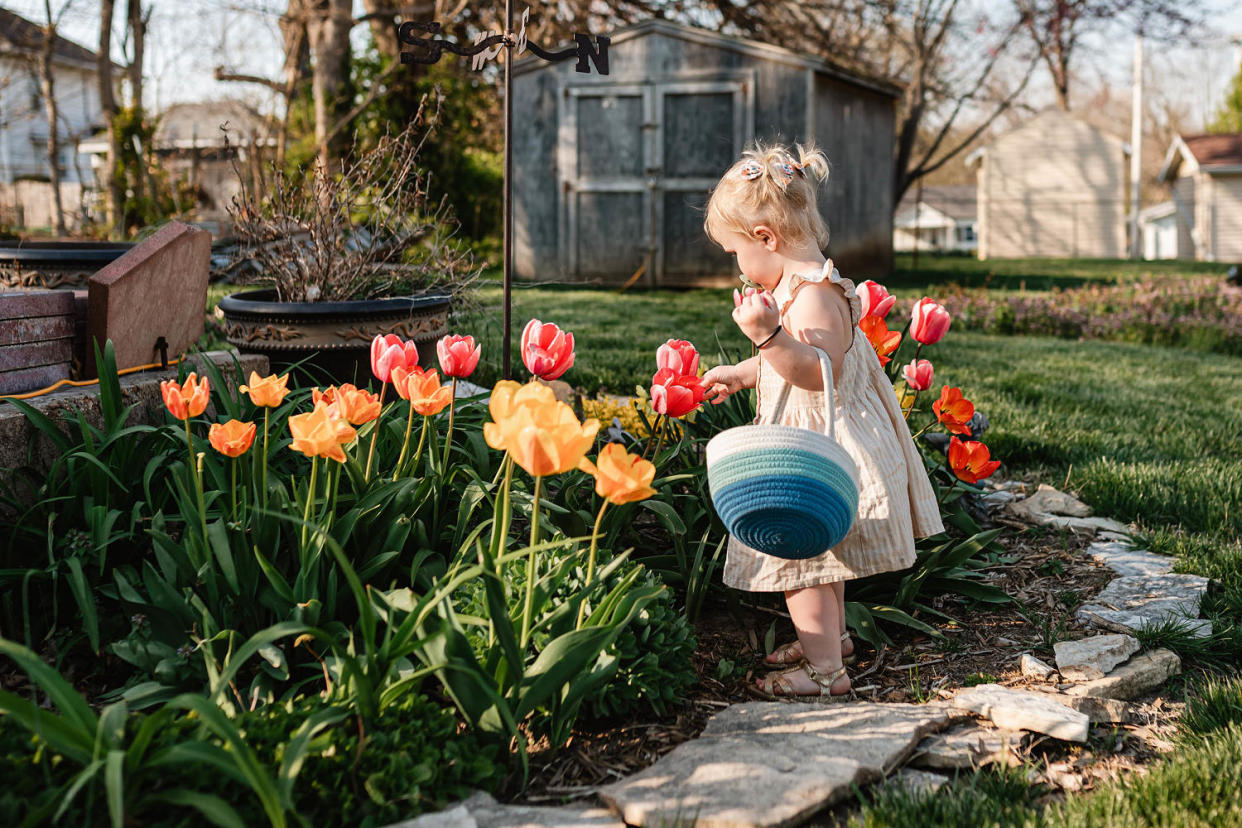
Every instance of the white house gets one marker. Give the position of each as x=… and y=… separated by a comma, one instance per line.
x=25, y=198
x=1204, y=176
x=1053, y=187
x=941, y=219
x=1158, y=226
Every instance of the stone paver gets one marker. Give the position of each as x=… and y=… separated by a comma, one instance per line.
x=482, y=811
x=1024, y=710
x=1125, y=560
x=1134, y=602
x=1141, y=674
x=1049, y=501
x=966, y=745
x=917, y=781
x=1093, y=657
x=1032, y=667
x=774, y=764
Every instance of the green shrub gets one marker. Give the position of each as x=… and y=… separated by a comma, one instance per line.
x=993, y=797
x=1212, y=704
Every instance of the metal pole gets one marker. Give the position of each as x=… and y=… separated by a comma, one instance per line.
x=508, y=189
x=1136, y=150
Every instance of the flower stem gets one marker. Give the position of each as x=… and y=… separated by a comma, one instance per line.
x=310, y=499
x=530, y=564
x=233, y=486
x=591, y=561
x=945, y=493
x=448, y=438
x=266, y=410
x=405, y=444
x=196, y=476
x=422, y=441
x=375, y=434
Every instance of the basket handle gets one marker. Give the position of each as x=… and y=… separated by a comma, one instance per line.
x=825, y=370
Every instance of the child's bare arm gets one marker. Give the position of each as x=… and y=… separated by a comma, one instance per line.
x=725, y=380
x=819, y=317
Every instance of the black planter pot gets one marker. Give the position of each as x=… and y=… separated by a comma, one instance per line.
x=51, y=264
x=333, y=337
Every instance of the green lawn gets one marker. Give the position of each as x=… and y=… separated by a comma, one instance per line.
x=1028, y=274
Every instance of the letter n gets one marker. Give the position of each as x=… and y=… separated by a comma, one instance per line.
x=588, y=55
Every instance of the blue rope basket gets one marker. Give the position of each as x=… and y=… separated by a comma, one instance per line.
x=785, y=491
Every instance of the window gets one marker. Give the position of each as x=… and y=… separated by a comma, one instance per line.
x=965, y=233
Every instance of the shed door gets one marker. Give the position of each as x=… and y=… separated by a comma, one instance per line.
x=638, y=163
x=702, y=127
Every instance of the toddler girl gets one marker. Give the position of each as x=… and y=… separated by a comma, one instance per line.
x=764, y=211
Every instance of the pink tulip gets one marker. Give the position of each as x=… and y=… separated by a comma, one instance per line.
x=388, y=352
x=929, y=322
x=679, y=356
x=458, y=355
x=875, y=299
x=675, y=395
x=547, y=351
x=918, y=375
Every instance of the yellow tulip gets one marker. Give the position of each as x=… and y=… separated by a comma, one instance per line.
x=621, y=477
x=541, y=434
x=422, y=389
x=319, y=434
x=267, y=392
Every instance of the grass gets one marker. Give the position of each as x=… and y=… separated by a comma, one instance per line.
x=935, y=272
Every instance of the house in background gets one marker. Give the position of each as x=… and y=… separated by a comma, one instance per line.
x=1158, y=225
x=937, y=219
x=612, y=172
x=1052, y=187
x=1204, y=176
x=205, y=145
x=25, y=194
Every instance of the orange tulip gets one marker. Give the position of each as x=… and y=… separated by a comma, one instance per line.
x=422, y=389
x=970, y=460
x=319, y=434
x=881, y=338
x=356, y=405
x=185, y=401
x=621, y=477
x=232, y=439
x=267, y=392
x=541, y=434
x=953, y=410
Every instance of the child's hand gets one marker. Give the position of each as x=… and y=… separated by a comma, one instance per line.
x=721, y=382
x=756, y=314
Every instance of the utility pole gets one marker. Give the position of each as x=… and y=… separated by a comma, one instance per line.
x=1136, y=150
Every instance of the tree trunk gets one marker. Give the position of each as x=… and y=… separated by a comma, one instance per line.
x=107, y=103
x=143, y=187
x=328, y=28
x=49, y=104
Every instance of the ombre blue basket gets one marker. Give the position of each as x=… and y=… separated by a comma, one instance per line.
x=782, y=490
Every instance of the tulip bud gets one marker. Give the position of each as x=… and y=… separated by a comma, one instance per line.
x=875, y=299
x=929, y=321
x=918, y=374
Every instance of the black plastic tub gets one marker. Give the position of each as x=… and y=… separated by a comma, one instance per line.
x=55, y=264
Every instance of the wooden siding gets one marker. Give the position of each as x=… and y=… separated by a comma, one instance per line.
x=568, y=200
x=1054, y=187
x=1184, y=198
x=1226, y=241
x=23, y=122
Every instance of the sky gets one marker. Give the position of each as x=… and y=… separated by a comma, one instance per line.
x=188, y=39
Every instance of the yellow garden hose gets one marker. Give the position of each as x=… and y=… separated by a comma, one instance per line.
x=82, y=383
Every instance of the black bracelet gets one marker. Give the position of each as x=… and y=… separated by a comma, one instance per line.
x=779, y=328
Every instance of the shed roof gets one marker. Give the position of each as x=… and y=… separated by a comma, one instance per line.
x=22, y=35
x=955, y=202
x=1217, y=153
x=742, y=45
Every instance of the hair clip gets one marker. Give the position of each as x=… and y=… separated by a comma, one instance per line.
x=788, y=174
x=751, y=170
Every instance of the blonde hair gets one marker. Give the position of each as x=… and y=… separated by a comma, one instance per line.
x=773, y=185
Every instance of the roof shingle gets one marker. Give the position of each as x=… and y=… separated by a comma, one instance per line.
x=1214, y=150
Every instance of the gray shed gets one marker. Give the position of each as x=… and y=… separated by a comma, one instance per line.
x=611, y=173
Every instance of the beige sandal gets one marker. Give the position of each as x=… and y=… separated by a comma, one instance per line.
x=775, y=686
x=791, y=653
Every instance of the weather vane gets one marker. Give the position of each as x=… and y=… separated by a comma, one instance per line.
x=426, y=48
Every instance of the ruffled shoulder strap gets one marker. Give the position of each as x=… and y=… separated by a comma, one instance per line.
x=830, y=273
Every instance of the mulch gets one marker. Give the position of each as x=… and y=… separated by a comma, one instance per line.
x=1044, y=570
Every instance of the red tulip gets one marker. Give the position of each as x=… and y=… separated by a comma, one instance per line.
x=875, y=299
x=675, y=395
x=970, y=460
x=929, y=322
x=881, y=338
x=458, y=355
x=953, y=410
x=918, y=374
x=679, y=356
x=188, y=400
x=547, y=351
x=388, y=352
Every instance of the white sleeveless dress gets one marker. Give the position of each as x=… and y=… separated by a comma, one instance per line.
x=896, y=503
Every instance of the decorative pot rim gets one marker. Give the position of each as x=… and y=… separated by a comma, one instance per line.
x=262, y=303
x=64, y=251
